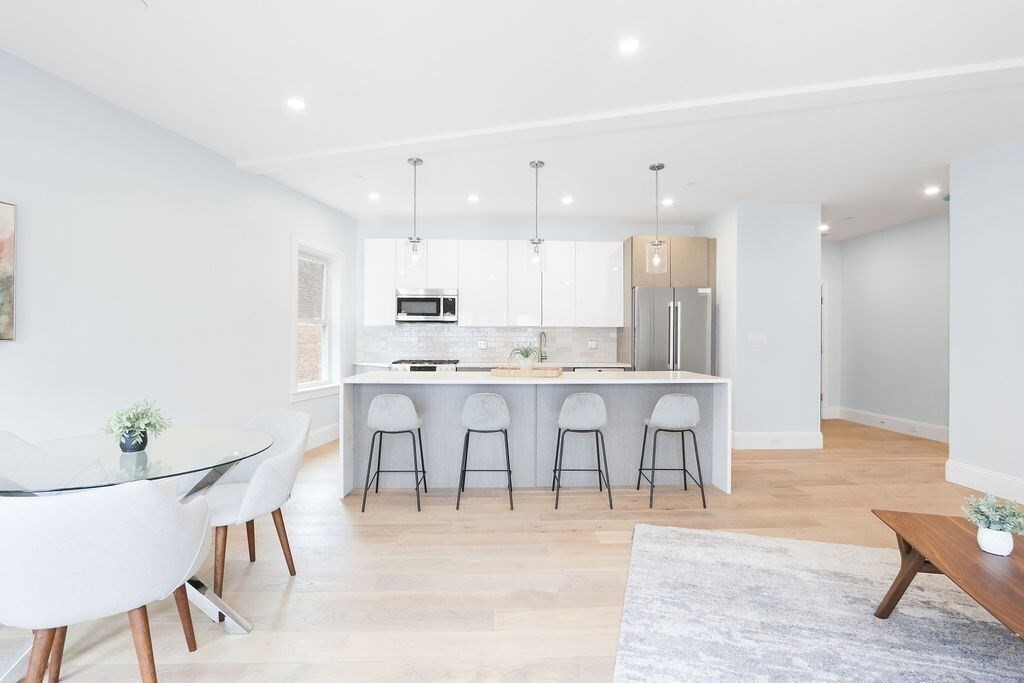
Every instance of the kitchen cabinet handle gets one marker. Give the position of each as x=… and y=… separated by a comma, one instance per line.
x=671, y=332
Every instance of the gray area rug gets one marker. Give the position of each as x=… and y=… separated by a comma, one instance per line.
x=717, y=605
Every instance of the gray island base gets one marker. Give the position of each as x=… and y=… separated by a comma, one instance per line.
x=534, y=404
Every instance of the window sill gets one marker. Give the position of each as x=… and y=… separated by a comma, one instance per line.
x=314, y=392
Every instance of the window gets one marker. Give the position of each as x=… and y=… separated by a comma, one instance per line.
x=316, y=331
x=312, y=334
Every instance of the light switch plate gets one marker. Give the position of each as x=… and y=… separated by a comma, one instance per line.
x=757, y=337
x=383, y=343
x=481, y=344
x=591, y=344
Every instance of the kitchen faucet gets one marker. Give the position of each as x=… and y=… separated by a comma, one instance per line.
x=542, y=342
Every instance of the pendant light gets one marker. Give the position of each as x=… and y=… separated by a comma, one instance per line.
x=415, y=248
x=535, y=256
x=657, y=253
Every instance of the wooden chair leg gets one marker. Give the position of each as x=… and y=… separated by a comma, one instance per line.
x=42, y=641
x=282, y=536
x=139, y=621
x=220, y=546
x=185, y=614
x=57, y=653
x=250, y=532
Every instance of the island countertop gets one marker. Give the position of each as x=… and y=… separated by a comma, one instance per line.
x=534, y=404
x=578, y=377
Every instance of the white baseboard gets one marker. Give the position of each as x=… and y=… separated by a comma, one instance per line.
x=776, y=441
x=830, y=412
x=322, y=435
x=896, y=424
x=987, y=481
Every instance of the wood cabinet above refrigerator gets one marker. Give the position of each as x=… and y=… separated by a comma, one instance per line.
x=691, y=262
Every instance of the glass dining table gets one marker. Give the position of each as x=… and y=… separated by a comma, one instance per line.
x=60, y=466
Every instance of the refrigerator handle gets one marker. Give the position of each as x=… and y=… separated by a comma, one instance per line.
x=679, y=335
x=671, y=332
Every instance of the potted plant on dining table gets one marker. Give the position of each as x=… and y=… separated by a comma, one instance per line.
x=133, y=426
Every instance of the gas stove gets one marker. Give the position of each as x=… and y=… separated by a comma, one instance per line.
x=428, y=365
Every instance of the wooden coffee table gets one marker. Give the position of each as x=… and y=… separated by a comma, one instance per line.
x=937, y=544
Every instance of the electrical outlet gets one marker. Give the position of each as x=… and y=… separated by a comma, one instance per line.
x=383, y=343
x=481, y=344
x=591, y=344
x=757, y=338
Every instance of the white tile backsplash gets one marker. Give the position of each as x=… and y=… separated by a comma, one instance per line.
x=439, y=340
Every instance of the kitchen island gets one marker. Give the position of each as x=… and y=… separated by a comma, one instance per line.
x=534, y=403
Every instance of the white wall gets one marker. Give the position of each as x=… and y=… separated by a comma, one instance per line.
x=832, y=331
x=895, y=314
x=148, y=267
x=769, y=275
x=986, y=316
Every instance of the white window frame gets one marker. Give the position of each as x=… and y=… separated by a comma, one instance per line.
x=331, y=258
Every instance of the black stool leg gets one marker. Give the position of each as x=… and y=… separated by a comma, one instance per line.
x=419, y=432
x=654, y=458
x=607, y=480
x=462, y=473
x=508, y=467
x=700, y=477
x=643, y=449
x=369, y=464
x=686, y=472
x=376, y=477
x=554, y=468
x=597, y=452
x=560, y=454
x=415, y=470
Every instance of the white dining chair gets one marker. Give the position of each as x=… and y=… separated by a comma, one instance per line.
x=92, y=554
x=257, y=486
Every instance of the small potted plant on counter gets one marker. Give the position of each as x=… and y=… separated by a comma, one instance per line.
x=133, y=426
x=996, y=523
x=527, y=356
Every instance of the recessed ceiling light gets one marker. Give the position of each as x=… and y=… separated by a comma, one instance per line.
x=823, y=227
x=629, y=46
x=932, y=190
x=668, y=201
x=567, y=199
x=373, y=196
x=296, y=104
x=473, y=199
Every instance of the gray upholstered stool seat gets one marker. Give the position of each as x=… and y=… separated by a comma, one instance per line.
x=485, y=414
x=677, y=413
x=395, y=414
x=582, y=413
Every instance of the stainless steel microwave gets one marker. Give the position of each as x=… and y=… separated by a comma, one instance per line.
x=427, y=306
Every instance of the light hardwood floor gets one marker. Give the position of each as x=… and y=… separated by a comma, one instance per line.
x=485, y=593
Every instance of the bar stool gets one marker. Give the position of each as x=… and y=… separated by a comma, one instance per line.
x=677, y=413
x=484, y=414
x=582, y=413
x=395, y=414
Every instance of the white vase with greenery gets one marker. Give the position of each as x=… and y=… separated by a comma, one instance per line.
x=996, y=523
x=527, y=356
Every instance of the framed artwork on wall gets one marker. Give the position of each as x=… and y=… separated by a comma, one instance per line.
x=7, y=215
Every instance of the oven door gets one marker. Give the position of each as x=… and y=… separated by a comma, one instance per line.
x=418, y=308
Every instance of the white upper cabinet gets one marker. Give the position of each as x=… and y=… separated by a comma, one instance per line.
x=379, y=282
x=523, y=286
x=442, y=264
x=559, y=290
x=483, y=283
x=599, y=284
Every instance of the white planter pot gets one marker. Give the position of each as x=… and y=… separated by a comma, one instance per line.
x=995, y=542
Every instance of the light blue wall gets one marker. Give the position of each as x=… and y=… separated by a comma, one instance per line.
x=895, y=346
x=986, y=364
x=148, y=267
x=832, y=332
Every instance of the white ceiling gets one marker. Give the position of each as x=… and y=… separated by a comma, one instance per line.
x=854, y=105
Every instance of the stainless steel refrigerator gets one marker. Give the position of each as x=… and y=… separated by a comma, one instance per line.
x=673, y=329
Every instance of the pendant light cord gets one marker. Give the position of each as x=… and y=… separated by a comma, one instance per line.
x=657, y=210
x=536, y=201
x=414, y=173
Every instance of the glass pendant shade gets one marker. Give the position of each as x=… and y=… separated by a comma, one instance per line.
x=415, y=254
x=535, y=256
x=657, y=257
